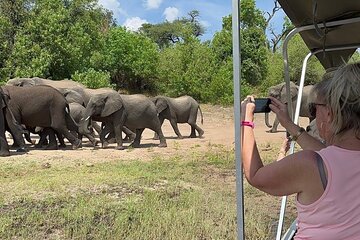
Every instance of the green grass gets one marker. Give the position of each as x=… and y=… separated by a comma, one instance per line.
x=190, y=197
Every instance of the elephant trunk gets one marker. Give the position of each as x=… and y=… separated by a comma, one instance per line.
x=267, y=120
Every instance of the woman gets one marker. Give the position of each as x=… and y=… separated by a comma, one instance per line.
x=326, y=181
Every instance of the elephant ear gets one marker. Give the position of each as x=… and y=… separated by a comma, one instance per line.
x=161, y=105
x=113, y=103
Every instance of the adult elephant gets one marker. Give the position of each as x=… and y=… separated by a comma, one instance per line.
x=279, y=92
x=8, y=122
x=41, y=106
x=115, y=111
x=179, y=110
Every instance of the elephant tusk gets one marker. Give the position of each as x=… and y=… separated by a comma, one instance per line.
x=87, y=118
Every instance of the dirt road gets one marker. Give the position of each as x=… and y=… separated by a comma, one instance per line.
x=218, y=126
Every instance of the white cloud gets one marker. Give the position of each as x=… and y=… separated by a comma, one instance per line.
x=134, y=23
x=152, y=4
x=171, y=13
x=114, y=6
x=205, y=24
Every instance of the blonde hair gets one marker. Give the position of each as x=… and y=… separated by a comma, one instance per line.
x=341, y=93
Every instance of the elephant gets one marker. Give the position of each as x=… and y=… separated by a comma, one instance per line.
x=42, y=106
x=179, y=110
x=8, y=122
x=279, y=92
x=115, y=111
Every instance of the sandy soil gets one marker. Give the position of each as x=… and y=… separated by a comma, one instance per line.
x=218, y=126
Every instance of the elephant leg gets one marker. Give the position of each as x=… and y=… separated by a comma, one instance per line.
x=15, y=132
x=59, y=125
x=106, y=129
x=118, y=136
x=156, y=136
x=175, y=127
x=90, y=135
x=4, y=146
x=129, y=134
x=96, y=127
x=42, y=140
x=60, y=137
x=275, y=126
x=194, y=126
x=28, y=137
x=136, y=142
x=162, y=138
x=52, y=138
x=159, y=132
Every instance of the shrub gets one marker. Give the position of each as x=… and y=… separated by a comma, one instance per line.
x=92, y=78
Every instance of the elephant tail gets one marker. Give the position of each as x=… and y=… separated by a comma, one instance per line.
x=202, y=119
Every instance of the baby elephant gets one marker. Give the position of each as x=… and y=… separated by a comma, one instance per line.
x=179, y=110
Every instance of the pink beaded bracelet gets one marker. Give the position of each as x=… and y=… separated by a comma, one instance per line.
x=247, y=123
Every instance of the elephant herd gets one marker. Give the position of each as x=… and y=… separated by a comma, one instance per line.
x=66, y=109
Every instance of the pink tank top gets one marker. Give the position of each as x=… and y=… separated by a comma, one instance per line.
x=336, y=214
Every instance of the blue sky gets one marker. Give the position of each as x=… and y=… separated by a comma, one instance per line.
x=133, y=13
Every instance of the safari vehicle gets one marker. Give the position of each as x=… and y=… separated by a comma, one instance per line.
x=330, y=29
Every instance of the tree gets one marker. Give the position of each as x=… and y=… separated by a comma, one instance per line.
x=13, y=14
x=58, y=38
x=297, y=50
x=130, y=58
x=186, y=68
x=168, y=33
x=254, y=51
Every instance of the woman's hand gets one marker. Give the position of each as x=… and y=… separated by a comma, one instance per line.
x=247, y=109
x=281, y=111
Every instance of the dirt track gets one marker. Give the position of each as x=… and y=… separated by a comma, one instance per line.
x=218, y=126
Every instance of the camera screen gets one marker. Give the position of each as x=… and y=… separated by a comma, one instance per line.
x=262, y=105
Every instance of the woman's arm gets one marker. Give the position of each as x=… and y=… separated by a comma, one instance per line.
x=290, y=175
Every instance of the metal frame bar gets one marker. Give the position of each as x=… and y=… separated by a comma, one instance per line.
x=237, y=102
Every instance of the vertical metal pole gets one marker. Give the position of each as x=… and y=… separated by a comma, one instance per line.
x=237, y=101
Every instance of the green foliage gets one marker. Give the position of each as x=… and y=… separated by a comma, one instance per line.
x=275, y=74
x=57, y=39
x=13, y=14
x=222, y=41
x=92, y=78
x=250, y=16
x=297, y=50
x=186, y=69
x=221, y=87
x=181, y=30
x=130, y=58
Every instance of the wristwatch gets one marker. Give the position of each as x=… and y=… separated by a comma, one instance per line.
x=297, y=134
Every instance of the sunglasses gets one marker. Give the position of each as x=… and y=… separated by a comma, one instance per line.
x=312, y=108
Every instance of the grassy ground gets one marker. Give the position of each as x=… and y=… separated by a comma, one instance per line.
x=191, y=197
